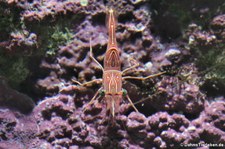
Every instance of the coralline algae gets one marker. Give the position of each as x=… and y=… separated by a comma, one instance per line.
x=176, y=112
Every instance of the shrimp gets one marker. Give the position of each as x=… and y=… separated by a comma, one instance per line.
x=111, y=90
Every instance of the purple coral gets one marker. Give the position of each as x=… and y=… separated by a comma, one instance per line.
x=176, y=111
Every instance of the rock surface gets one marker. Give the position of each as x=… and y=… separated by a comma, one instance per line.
x=184, y=106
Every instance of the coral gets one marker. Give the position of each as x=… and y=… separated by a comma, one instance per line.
x=210, y=58
x=16, y=45
x=173, y=18
x=45, y=46
x=23, y=41
x=217, y=25
x=63, y=126
x=9, y=20
x=209, y=124
x=17, y=130
x=179, y=96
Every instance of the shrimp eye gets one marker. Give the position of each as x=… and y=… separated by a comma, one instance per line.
x=124, y=92
x=102, y=92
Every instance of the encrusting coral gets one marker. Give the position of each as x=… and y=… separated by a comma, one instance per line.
x=50, y=47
